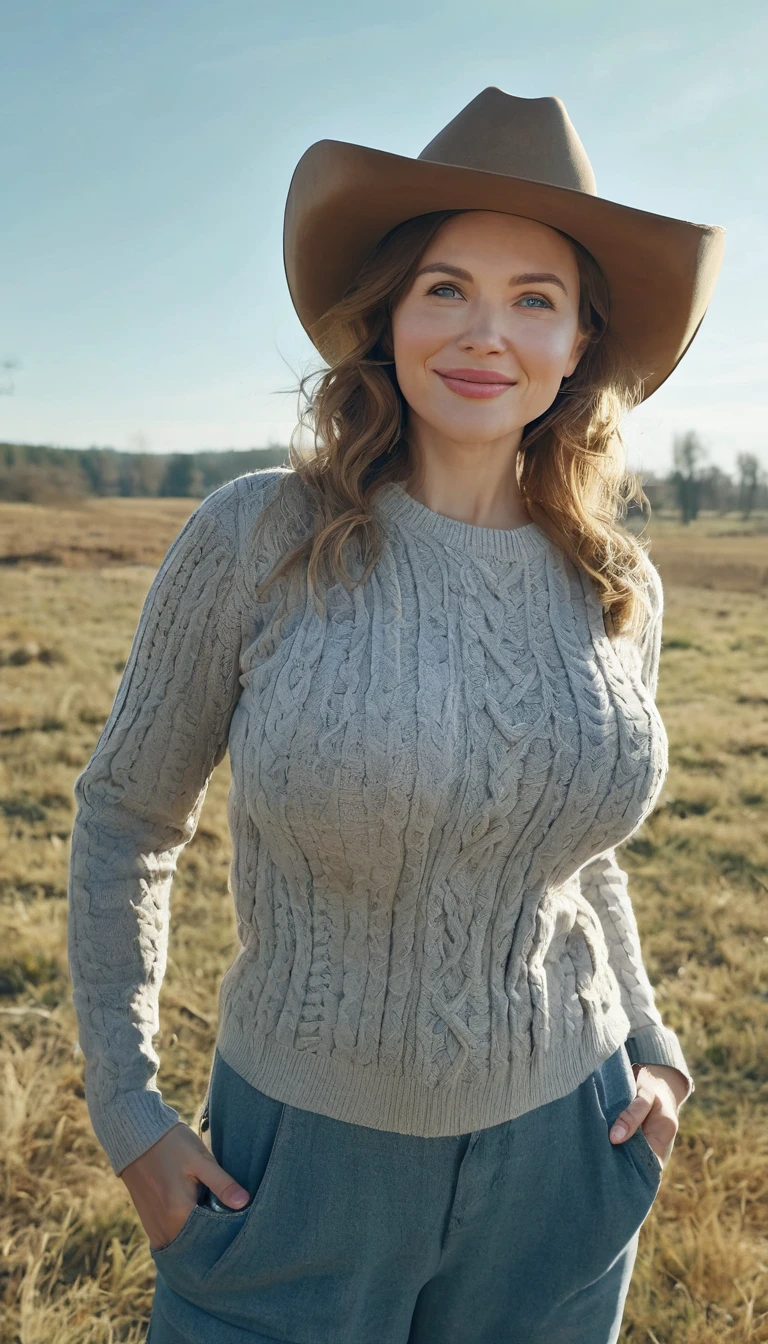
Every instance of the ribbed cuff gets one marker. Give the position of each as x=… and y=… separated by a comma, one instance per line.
x=659, y=1045
x=130, y=1125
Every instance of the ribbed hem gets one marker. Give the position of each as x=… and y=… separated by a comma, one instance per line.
x=394, y=502
x=131, y=1125
x=659, y=1045
x=364, y=1095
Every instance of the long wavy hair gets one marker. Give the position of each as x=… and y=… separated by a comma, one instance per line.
x=570, y=466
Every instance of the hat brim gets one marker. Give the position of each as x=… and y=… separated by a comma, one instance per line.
x=343, y=198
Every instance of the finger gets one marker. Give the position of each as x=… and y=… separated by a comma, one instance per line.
x=627, y=1122
x=223, y=1186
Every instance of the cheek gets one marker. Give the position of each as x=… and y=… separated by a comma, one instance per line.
x=545, y=352
x=416, y=340
x=415, y=336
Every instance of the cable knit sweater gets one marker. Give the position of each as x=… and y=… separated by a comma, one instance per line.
x=429, y=782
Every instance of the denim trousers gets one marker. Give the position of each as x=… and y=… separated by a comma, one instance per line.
x=522, y=1233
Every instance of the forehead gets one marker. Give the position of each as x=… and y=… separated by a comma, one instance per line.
x=489, y=233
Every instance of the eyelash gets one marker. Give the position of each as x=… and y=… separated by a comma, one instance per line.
x=446, y=285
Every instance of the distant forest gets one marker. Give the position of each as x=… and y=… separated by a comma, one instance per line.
x=40, y=474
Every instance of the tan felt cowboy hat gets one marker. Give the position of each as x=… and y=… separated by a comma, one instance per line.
x=521, y=156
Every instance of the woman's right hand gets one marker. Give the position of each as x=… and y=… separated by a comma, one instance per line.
x=164, y=1183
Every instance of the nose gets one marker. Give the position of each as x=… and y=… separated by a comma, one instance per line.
x=485, y=331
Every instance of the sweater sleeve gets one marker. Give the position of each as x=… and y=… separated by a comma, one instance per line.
x=139, y=800
x=605, y=885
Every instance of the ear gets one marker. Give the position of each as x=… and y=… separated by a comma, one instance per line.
x=579, y=346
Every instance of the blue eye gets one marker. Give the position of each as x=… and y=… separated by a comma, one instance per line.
x=532, y=300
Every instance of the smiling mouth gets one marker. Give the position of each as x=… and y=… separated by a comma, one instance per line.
x=474, y=387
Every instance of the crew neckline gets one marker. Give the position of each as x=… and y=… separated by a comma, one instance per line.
x=505, y=542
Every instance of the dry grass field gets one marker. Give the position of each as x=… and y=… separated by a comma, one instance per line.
x=74, y=1265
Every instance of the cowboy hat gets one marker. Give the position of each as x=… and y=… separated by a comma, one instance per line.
x=521, y=156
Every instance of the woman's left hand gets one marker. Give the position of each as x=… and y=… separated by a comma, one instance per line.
x=660, y=1090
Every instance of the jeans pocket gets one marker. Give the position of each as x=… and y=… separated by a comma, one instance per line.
x=651, y=1163
x=246, y=1129
x=201, y=1221
x=616, y=1088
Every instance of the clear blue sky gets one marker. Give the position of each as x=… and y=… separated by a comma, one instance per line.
x=146, y=152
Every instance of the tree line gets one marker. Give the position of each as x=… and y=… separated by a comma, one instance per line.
x=40, y=474
x=695, y=484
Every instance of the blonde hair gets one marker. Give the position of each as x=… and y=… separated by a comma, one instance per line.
x=570, y=466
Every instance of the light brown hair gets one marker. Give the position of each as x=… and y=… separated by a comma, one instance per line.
x=571, y=463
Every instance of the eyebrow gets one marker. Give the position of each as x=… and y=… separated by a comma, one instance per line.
x=532, y=278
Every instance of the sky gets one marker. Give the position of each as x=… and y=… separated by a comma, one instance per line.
x=146, y=150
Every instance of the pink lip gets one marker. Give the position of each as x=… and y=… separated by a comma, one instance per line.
x=475, y=382
x=475, y=375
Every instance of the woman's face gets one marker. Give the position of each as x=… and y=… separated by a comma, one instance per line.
x=495, y=294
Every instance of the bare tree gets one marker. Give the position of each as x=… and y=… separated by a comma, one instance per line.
x=749, y=480
x=8, y=366
x=688, y=456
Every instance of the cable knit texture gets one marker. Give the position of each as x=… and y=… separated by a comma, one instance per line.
x=429, y=783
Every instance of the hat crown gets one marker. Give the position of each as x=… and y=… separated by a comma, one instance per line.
x=531, y=138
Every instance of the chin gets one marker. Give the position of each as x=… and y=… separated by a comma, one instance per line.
x=470, y=428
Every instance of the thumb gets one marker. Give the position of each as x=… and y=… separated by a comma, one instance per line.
x=222, y=1185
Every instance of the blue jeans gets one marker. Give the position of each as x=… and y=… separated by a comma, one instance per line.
x=522, y=1233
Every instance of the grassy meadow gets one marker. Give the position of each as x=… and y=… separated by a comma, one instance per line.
x=74, y=1261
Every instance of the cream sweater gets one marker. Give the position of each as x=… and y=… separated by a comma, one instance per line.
x=428, y=787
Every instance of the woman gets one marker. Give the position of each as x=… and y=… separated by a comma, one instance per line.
x=442, y=1095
